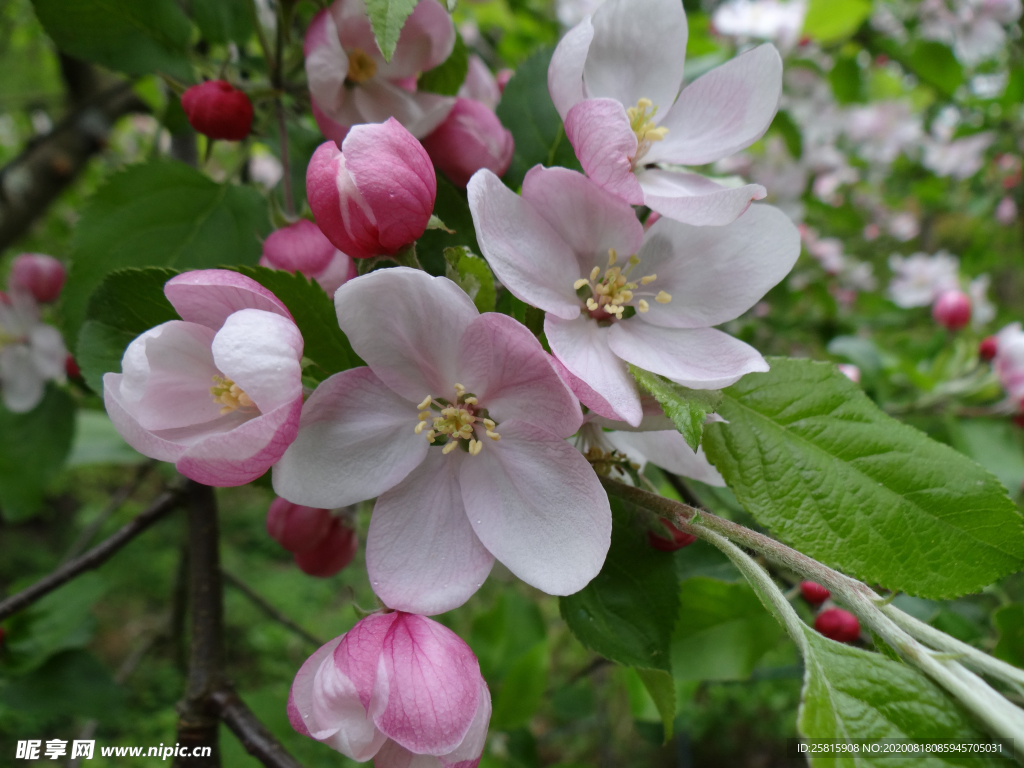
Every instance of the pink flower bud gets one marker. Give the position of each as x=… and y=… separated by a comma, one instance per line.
x=334, y=552
x=303, y=248
x=41, y=275
x=395, y=686
x=375, y=195
x=217, y=110
x=988, y=347
x=678, y=540
x=952, y=310
x=1006, y=211
x=297, y=528
x=503, y=76
x=470, y=138
x=837, y=624
x=852, y=372
x=814, y=593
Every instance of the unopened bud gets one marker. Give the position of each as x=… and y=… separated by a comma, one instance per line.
x=952, y=310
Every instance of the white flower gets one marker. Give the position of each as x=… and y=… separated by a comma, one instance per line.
x=31, y=352
x=919, y=278
x=983, y=311
x=771, y=20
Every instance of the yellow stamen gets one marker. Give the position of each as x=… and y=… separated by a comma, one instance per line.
x=361, y=67
x=489, y=424
x=420, y=427
x=612, y=256
x=648, y=279
x=591, y=305
x=581, y=282
x=426, y=402
x=594, y=273
x=644, y=306
x=475, y=446
x=663, y=298
x=228, y=394
x=460, y=390
x=493, y=435
x=449, y=448
x=470, y=401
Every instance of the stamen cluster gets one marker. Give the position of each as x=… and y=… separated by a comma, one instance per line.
x=225, y=392
x=641, y=120
x=457, y=421
x=614, y=291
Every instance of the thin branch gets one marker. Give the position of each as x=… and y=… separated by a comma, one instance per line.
x=270, y=610
x=256, y=739
x=93, y=558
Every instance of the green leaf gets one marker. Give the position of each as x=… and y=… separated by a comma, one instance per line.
x=522, y=690
x=127, y=303
x=472, y=275
x=830, y=21
x=993, y=444
x=97, y=441
x=387, y=17
x=325, y=343
x=33, y=448
x=1009, y=623
x=686, y=407
x=73, y=683
x=451, y=207
x=846, y=80
x=222, y=21
x=812, y=458
x=137, y=37
x=662, y=689
x=851, y=694
x=502, y=635
x=784, y=126
x=936, y=65
x=628, y=611
x=725, y=633
x=527, y=111
x=447, y=77
x=160, y=214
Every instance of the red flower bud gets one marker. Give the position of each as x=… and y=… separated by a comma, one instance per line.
x=332, y=554
x=988, y=347
x=71, y=368
x=297, y=528
x=837, y=624
x=813, y=592
x=217, y=110
x=952, y=310
x=41, y=275
x=678, y=540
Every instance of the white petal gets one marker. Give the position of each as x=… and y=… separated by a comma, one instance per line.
x=694, y=199
x=565, y=72
x=668, y=450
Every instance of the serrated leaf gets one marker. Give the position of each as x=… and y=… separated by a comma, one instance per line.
x=662, y=689
x=628, y=611
x=814, y=460
x=33, y=448
x=851, y=694
x=448, y=76
x=387, y=17
x=472, y=274
x=137, y=37
x=830, y=21
x=686, y=407
x=160, y=214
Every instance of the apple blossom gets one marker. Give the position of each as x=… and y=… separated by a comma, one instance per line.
x=375, y=195
x=975, y=28
x=458, y=426
x=399, y=688
x=959, y=158
x=236, y=336
x=578, y=252
x=31, y=352
x=1008, y=362
x=218, y=110
x=919, y=279
x=38, y=274
x=302, y=247
x=332, y=553
x=615, y=78
x=1006, y=211
x=349, y=81
x=983, y=311
x=779, y=22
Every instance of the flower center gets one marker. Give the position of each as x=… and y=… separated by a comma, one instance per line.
x=228, y=394
x=613, y=292
x=360, y=66
x=641, y=120
x=456, y=421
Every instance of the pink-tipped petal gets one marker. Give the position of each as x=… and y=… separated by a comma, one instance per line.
x=422, y=555
x=526, y=253
x=699, y=358
x=330, y=127
x=585, y=394
x=426, y=40
x=406, y=325
x=599, y=131
x=208, y=296
x=356, y=440
x=261, y=353
x=581, y=345
x=565, y=72
x=667, y=450
x=420, y=113
x=724, y=111
x=696, y=200
x=467, y=754
x=504, y=365
x=394, y=755
x=470, y=138
x=590, y=219
x=428, y=686
x=137, y=436
x=359, y=653
x=539, y=508
x=340, y=209
x=300, y=247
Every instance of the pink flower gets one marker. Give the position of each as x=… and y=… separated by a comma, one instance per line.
x=303, y=248
x=41, y=275
x=565, y=246
x=504, y=485
x=1006, y=211
x=919, y=279
x=218, y=393
x=398, y=688
x=31, y=352
x=349, y=81
x=1009, y=362
x=615, y=81
x=850, y=371
x=375, y=195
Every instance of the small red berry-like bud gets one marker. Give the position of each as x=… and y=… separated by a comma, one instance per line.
x=71, y=368
x=502, y=78
x=837, y=624
x=217, y=110
x=987, y=348
x=678, y=540
x=332, y=554
x=952, y=310
x=41, y=275
x=297, y=528
x=814, y=593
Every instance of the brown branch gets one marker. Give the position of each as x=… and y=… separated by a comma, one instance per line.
x=270, y=610
x=256, y=739
x=93, y=558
